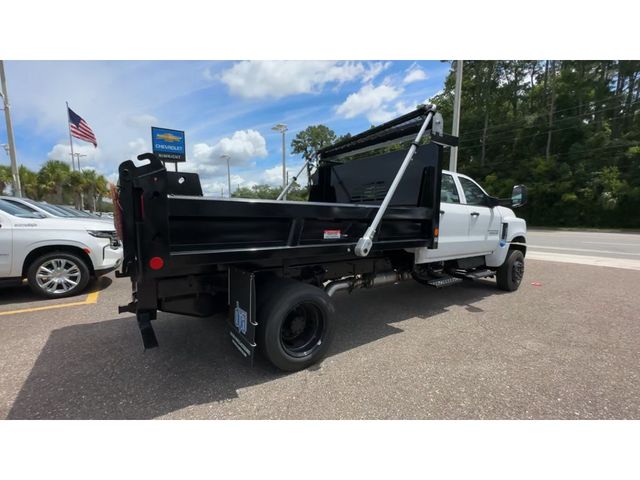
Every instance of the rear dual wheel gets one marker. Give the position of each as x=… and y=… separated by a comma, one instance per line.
x=295, y=324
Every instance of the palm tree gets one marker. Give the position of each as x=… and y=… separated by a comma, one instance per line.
x=78, y=185
x=29, y=183
x=5, y=178
x=102, y=189
x=96, y=187
x=53, y=177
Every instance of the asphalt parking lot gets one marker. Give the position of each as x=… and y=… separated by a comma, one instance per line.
x=564, y=346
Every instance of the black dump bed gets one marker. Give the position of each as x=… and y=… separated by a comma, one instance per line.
x=170, y=230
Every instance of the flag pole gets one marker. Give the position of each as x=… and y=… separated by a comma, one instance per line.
x=73, y=163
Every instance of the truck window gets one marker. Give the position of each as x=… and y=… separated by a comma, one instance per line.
x=448, y=190
x=472, y=192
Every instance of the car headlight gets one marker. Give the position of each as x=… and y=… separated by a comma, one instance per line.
x=111, y=235
x=102, y=233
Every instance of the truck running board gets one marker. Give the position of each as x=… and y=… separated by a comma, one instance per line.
x=476, y=274
x=444, y=281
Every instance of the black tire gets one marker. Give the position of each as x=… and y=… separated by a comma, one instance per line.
x=509, y=275
x=79, y=275
x=295, y=324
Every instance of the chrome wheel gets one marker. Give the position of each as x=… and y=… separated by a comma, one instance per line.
x=58, y=276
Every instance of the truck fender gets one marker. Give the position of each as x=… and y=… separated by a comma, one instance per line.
x=516, y=234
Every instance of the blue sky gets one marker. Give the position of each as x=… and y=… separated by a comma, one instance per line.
x=223, y=106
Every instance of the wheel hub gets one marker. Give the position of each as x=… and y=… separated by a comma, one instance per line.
x=301, y=331
x=58, y=275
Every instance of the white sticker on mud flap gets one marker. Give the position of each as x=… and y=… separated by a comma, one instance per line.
x=332, y=234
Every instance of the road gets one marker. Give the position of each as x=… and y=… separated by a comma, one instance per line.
x=619, y=250
x=564, y=346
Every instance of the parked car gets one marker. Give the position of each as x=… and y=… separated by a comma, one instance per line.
x=49, y=210
x=57, y=256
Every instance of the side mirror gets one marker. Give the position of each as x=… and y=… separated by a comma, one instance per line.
x=518, y=196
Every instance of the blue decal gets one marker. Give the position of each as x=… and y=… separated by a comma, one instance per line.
x=240, y=319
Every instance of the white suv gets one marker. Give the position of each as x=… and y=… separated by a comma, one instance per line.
x=57, y=256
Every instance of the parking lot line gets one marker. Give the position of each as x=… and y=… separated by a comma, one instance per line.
x=91, y=298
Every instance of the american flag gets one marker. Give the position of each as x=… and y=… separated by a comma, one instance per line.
x=79, y=128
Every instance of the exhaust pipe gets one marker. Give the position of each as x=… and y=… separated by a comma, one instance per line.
x=366, y=281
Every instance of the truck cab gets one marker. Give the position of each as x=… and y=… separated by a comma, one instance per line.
x=471, y=224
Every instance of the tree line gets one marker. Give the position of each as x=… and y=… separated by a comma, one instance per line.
x=56, y=183
x=569, y=130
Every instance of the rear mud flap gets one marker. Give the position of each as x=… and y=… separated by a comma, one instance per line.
x=242, y=312
x=149, y=339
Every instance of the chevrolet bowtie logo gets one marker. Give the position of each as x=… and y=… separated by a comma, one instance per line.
x=169, y=137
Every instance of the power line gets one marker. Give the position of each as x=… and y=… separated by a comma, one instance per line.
x=587, y=154
x=541, y=115
x=508, y=138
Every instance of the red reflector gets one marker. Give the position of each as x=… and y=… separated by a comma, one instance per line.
x=156, y=263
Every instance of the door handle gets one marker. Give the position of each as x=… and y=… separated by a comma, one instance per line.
x=475, y=214
x=441, y=212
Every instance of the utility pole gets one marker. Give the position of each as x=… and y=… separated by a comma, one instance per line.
x=77, y=157
x=227, y=157
x=455, y=130
x=17, y=190
x=281, y=127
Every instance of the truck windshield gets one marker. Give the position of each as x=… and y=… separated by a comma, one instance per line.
x=16, y=211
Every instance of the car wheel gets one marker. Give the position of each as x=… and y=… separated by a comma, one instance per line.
x=58, y=275
x=509, y=275
x=295, y=325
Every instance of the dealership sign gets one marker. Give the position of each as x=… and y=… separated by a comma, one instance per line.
x=168, y=145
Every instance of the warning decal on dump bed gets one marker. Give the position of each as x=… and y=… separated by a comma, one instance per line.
x=332, y=234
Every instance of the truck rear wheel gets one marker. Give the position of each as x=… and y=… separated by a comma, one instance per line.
x=510, y=273
x=295, y=324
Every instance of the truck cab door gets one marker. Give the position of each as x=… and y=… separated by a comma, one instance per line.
x=454, y=221
x=484, y=221
x=6, y=245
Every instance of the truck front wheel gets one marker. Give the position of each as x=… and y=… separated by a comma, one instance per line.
x=510, y=273
x=295, y=325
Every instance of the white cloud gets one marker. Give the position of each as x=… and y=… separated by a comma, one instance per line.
x=389, y=112
x=258, y=79
x=242, y=146
x=90, y=156
x=273, y=176
x=374, y=69
x=142, y=120
x=414, y=74
x=369, y=100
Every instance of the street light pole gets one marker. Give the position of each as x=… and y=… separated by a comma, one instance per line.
x=453, y=158
x=77, y=155
x=17, y=190
x=281, y=127
x=227, y=157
